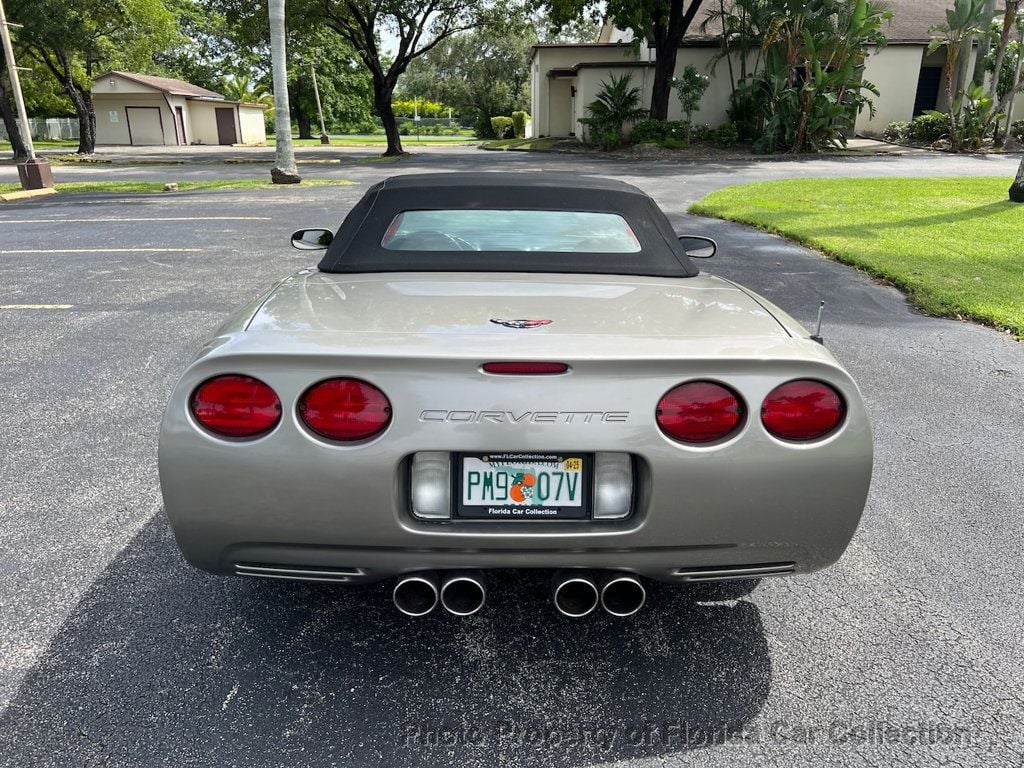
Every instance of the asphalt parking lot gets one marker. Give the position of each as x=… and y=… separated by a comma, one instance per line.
x=115, y=653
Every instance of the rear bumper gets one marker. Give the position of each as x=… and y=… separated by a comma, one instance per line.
x=354, y=565
x=293, y=500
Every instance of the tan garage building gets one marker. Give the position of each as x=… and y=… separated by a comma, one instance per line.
x=143, y=110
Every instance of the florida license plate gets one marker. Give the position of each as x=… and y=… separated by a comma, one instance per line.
x=524, y=486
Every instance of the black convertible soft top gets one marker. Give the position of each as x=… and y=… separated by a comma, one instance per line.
x=357, y=245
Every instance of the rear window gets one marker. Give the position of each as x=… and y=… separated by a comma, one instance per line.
x=510, y=230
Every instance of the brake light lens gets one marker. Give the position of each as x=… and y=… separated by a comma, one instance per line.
x=700, y=412
x=345, y=409
x=236, y=406
x=525, y=369
x=802, y=410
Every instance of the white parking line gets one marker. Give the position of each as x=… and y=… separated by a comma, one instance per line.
x=117, y=219
x=103, y=250
x=36, y=306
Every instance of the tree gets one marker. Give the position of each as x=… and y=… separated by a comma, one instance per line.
x=805, y=85
x=76, y=39
x=7, y=114
x=284, y=171
x=975, y=110
x=663, y=22
x=346, y=91
x=244, y=87
x=617, y=103
x=417, y=26
x=1017, y=188
x=956, y=36
x=242, y=46
x=482, y=73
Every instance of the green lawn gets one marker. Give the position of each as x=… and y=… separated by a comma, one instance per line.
x=60, y=144
x=524, y=145
x=122, y=187
x=955, y=245
x=380, y=140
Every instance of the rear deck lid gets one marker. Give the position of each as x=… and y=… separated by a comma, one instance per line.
x=500, y=304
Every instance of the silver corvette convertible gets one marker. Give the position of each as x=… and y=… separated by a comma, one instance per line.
x=512, y=371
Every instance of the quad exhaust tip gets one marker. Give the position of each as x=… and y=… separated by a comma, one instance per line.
x=416, y=594
x=623, y=595
x=463, y=593
x=575, y=594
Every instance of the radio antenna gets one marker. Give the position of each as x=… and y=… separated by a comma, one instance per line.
x=817, y=334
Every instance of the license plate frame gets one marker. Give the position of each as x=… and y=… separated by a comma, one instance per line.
x=506, y=512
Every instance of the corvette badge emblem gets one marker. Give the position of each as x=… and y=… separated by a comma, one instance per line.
x=520, y=323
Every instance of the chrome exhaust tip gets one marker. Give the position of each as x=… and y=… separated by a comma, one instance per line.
x=575, y=593
x=416, y=594
x=463, y=592
x=623, y=595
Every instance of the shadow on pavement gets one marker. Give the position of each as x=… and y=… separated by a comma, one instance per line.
x=163, y=665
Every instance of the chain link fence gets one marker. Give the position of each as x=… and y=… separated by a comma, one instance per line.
x=48, y=128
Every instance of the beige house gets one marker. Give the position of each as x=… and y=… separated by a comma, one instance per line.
x=566, y=77
x=143, y=110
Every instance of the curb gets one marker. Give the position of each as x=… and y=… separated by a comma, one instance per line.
x=26, y=194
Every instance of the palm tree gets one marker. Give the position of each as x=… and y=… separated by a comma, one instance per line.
x=242, y=87
x=1017, y=188
x=617, y=103
x=284, y=171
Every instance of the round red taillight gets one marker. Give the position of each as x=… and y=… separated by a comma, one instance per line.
x=802, y=410
x=700, y=412
x=345, y=409
x=236, y=406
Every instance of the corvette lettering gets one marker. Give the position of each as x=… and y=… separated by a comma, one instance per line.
x=525, y=417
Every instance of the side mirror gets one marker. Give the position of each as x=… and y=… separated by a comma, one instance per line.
x=312, y=239
x=697, y=247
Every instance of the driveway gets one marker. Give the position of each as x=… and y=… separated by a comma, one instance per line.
x=115, y=653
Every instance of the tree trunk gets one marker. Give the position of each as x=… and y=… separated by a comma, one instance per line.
x=668, y=36
x=984, y=43
x=284, y=171
x=1017, y=188
x=382, y=101
x=11, y=120
x=305, y=126
x=82, y=102
x=661, y=89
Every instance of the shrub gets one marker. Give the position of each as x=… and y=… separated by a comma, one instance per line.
x=929, y=127
x=702, y=132
x=406, y=128
x=502, y=127
x=897, y=132
x=617, y=103
x=519, y=119
x=650, y=131
x=690, y=89
x=725, y=135
x=671, y=143
x=423, y=107
x=1017, y=130
x=483, y=128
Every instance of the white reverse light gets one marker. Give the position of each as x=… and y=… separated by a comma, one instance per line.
x=431, y=485
x=613, y=485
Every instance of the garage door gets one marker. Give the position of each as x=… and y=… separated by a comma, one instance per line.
x=145, y=125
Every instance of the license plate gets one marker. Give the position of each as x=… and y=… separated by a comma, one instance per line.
x=524, y=486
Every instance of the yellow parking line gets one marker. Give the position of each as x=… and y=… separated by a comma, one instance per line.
x=36, y=306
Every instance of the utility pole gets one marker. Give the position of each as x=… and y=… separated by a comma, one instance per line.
x=35, y=172
x=324, y=138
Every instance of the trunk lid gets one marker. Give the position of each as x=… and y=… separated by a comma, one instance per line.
x=430, y=304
